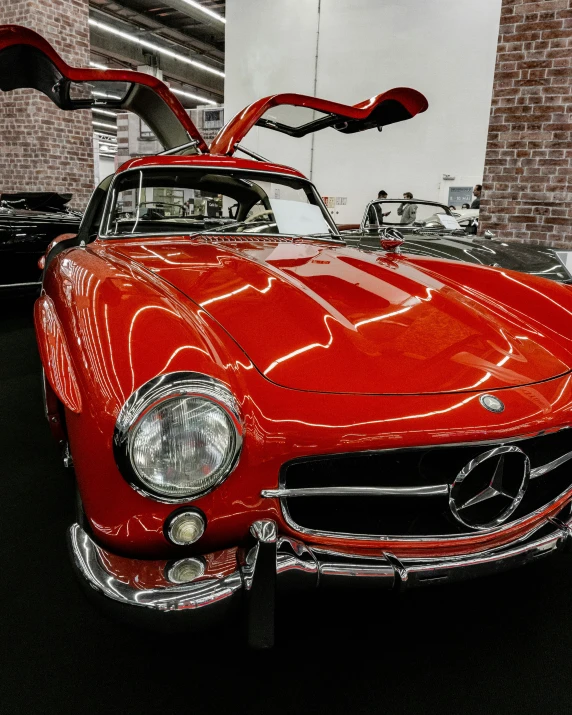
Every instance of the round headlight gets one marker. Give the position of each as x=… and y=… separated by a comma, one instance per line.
x=178, y=436
x=183, y=446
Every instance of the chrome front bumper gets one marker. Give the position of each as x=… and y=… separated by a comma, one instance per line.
x=285, y=562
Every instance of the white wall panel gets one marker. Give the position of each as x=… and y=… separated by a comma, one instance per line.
x=270, y=48
x=444, y=48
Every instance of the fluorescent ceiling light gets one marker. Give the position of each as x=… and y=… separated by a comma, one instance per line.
x=103, y=124
x=104, y=111
x=192, y=96
x=98, y=66
x=152, y=46
x=202, y=8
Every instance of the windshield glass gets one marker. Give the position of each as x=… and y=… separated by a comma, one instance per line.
x=190, y=200
x=408, y=213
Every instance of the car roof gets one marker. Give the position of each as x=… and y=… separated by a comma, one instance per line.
x=209, y=161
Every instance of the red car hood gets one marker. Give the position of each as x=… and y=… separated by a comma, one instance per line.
x=328, y=319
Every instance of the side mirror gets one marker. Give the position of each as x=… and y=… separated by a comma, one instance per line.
x=489, y=234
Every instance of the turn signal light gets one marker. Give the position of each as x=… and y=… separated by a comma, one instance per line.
x=185, y=570
x=186, y=528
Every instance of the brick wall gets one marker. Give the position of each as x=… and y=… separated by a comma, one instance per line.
x=527, y=185
x=43, y=148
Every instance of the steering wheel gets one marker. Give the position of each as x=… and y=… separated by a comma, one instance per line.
x=266, y=214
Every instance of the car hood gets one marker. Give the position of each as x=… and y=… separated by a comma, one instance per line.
x=336, y=319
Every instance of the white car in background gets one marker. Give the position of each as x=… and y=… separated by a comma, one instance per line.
x=468, y=219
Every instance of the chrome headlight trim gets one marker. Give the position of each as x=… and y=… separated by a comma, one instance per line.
x=161, y=389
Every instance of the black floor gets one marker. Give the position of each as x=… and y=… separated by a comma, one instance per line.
x=501, y=645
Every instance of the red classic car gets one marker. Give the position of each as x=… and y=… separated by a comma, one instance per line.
x=250, y=404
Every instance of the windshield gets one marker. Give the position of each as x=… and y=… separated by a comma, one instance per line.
x=408, y=213
x=190, y=200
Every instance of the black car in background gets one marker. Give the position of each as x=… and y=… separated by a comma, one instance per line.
x=436, y=232
x=28, y=223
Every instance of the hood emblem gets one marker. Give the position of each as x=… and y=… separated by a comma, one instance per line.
x=391, y=239
x=491, y=403
x=490, y=487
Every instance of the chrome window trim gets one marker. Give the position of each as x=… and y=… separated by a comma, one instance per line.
x=445, y=538
x=159, y=389
x=104, y=235
x=364, y=221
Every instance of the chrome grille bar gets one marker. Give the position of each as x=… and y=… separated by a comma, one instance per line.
x=421, y=491
x=539, y=471
x=430, y=491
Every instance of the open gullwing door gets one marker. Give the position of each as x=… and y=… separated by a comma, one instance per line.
x=298, y=115
x=29, y=61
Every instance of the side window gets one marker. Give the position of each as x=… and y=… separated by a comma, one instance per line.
x=91, y=222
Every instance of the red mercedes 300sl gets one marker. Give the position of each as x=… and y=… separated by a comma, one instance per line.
x=251, y=404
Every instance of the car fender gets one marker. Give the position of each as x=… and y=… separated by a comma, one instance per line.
x=121, y=326
x=55, y=354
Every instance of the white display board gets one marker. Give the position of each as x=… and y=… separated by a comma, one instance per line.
x=449, y=222
x=296, y=217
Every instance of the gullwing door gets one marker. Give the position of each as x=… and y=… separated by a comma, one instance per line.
x=29, y=61
x=298, y=115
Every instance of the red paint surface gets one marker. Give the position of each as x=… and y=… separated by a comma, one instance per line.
x=55, y=355
x=124, y=306
x=209, y=161
x=326, y=349
x=233, y=133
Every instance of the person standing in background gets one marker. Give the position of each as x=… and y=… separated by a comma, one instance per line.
x=408, y=212
x=375, y=213
x=477, y=194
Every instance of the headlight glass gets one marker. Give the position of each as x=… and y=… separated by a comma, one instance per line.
x=183, y=446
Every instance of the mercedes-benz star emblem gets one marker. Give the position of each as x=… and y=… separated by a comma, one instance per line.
x=491, y=403
x=490, y=487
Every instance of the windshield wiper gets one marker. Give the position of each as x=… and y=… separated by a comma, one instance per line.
x=253, y=225
x=223, y=227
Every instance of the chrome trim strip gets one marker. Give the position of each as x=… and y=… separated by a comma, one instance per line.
x=540, y=471
x=19, y=285
x=364, y=221
x=430, y=491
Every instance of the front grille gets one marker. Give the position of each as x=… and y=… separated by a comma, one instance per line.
x=416, y=467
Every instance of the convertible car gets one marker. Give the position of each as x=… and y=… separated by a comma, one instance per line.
x=437, y=231
x=29, y=222
x=257, y=405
